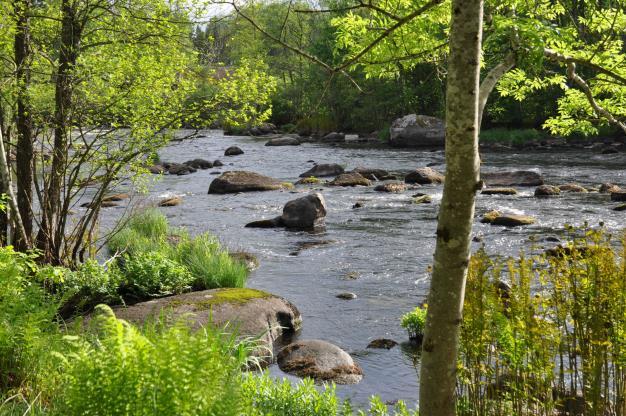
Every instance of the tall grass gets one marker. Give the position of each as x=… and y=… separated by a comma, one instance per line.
x=186, y=262
x=554, y=341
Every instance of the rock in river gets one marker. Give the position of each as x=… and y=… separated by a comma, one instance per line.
x=252, y=312
x=372, y=174
x=416, y=130
x=283, y=141
x=304, y=213
x=424, y=176
x=334, y=137
x=350, y=179
x=547, y=190
x=233, y=151
x=322, y=170
x=607, y=188
x=382, y=343
x=243, y=181
x=199, y=164
x=506, y=220
x=515, y=178
x=618, y=196
x=319, y=360
x=391, y=187
x=572, y=187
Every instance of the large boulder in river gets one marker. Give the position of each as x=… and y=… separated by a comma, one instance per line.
x=233, y=151
x=283, y=141
x=319, y=360
x=334, y=137
x=424, y=176
x=304, y=213
x=417, y=131
x=324, y=169
x=248, y=312
x=515, y=178
x=243, y=181
x=350, y=179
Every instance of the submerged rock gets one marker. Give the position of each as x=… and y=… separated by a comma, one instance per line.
x=322, y=170
x=424, y=176
x=382, y=343
x=319, y=360
x=499, y=191
x=243, y=181
x=618, y=196
x=514, y=178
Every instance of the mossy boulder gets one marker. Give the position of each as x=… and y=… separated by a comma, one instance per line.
x=247, y=312
x=319, y=360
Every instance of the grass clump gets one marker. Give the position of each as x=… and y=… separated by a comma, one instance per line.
x=159, y=260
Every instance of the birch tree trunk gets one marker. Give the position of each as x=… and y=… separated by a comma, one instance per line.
x=456, y=214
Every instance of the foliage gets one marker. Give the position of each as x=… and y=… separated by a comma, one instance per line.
x=269, y=397
x=552, y=337
x=415, y=321
x=26, y=320
x=160, y=371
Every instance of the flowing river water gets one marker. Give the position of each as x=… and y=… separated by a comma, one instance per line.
x=382, y=251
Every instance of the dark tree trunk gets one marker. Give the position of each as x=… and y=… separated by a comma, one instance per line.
x=24, y=123
x=50, y=238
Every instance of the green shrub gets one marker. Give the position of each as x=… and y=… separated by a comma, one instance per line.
x=171, y=371
x=414, y=322
x=152, y=274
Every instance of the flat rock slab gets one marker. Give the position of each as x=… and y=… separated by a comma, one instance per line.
x=515, y=178
x=248, y=312
x=243, y=181
x=319, y=360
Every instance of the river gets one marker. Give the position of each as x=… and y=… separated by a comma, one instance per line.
x=380, y=252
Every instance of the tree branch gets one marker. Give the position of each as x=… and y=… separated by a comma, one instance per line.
x=490, y=81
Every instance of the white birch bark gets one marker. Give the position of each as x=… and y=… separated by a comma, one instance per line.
x=456, y=213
